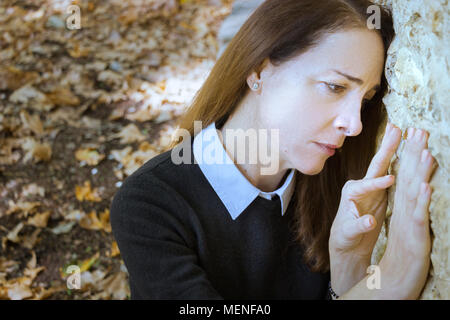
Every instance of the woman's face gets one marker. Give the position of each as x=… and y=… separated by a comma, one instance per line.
x=317, y=97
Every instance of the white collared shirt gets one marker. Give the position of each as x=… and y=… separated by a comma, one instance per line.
x=232, y=187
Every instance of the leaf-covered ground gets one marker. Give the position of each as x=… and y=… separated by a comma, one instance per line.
x=81, y=109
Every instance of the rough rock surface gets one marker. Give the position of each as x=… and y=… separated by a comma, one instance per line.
x=418, y=74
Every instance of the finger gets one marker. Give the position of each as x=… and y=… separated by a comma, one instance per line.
x=417, y=141
x=380, y=162
x=425, y=169
x=364, y=186
x=356, y=227
x=420, y=214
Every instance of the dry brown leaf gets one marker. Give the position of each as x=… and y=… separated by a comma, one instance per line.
x=25, y=207
x=7, y=155
x=12, y=78
x=92, y=222
x=129, y=134
x=114, y=249
x=114, y=287
x=104, y=219
x=63, y=96
x=129, y=16
x=32, y=122
x=131, y=161
x=39, y=219
x=90, y=155
x=120, y=154
x=85, y=193
x=19, y=288
x=145, y=152
x=32, y=97
x=143, y=114
x=30, y=241
x=40, y=293
x=90, y=279
x=32, y=262
x=77, y=51
x=111, y=78
x=13, y=235
x=32, y=189
x=74, y=215
x=87, y=264
x=36, y=150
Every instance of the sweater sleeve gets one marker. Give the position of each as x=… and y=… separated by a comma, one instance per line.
x=152, y=242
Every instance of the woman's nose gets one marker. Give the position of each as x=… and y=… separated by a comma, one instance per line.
x=350, y=122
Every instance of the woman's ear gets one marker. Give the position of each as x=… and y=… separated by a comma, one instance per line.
x=253, y=81
x=265, y=65
x=255, y=75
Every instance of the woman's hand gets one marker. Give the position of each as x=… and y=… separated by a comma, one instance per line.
x=365, y=201
x=406, y=260
x=351, y=239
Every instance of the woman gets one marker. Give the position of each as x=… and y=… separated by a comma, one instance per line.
x=211, y=230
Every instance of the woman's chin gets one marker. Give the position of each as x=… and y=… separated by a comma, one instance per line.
x=311, y=170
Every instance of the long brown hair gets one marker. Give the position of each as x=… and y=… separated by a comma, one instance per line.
x=281, y=30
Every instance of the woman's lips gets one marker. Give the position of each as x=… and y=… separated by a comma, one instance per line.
x=325, y=149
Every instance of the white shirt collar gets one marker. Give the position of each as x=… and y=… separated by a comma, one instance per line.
x=232, y=187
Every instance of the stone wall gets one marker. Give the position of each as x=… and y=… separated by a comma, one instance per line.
x=418, y=74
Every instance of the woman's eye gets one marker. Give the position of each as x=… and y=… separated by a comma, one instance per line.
x=335, y=88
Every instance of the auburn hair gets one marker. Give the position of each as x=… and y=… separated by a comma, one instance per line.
x=281, y=30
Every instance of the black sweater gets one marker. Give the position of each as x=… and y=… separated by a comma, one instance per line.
x=178, y=240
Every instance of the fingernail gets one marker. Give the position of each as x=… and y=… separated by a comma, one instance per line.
x=409, y=133
x=368, y=222
x=419, y=134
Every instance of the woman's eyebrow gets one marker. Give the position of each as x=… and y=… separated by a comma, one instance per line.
x=354, y=79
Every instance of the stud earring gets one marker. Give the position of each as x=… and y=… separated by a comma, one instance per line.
x=255, y=86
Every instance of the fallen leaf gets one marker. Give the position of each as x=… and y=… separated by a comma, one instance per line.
x=32, y=122
x=90, y=279
x=114, y=249
x=129, y=134
x=85, y=193
x=92, y=222
x=25, y=207
x=19, y=288
x=12, y=78
x=86, y=264
x=39, y=219
x=63, y=227
x=77, y=51
x=40, y=293
x=90, y=155
x=104, y=219
x=30, y=241
x=63, y=96
x=32, y=97
x=114, y=287
x=32, y=189
x=13, y=235
x=36, y=150
x=75, y=215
